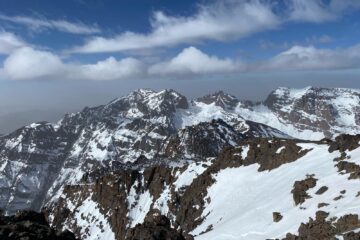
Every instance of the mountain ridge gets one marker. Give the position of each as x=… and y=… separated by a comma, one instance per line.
x=156, y=152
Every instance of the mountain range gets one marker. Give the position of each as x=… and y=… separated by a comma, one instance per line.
x=215, y=167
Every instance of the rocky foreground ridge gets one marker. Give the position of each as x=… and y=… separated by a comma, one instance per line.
x=31, y=226
x=155, y=164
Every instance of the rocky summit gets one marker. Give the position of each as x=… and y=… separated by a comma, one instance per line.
x=155, y=165
x=31, y=226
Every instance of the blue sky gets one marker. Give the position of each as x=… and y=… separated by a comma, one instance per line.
x=174, y=38
x=71, y=53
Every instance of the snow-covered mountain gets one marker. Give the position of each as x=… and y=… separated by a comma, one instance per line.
x=105, y=171
x=309, y=113
x=37, y=161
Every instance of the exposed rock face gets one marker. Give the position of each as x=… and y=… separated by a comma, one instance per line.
x=30, y=160
x=345, y=142
x=202, y=140
x=156, y=229
x=30, y=225
x=319, y=102
x=268, y=156
x=349, y=167
x=300, y=188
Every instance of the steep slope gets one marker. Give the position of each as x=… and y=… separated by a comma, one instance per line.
x=263, y=189
x=30, y=160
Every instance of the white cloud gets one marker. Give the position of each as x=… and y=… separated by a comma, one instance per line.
x=311, y=58
x=192, y=61
x=27, y=63
x=221, y=21
x=30, y=64
x=9, y=42
x=37, y=24
x=111, y=69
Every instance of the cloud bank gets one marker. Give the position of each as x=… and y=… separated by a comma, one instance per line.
x=27, y=63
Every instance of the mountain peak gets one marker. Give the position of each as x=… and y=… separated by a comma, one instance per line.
x=147, y=102
x=220, y=99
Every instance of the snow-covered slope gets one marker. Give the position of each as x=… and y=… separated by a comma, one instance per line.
x=243, y=200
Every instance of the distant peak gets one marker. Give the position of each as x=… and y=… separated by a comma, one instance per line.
x=295, y=93
x=219, y=98
x=148, y=101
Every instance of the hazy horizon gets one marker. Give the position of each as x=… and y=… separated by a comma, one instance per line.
x=47, y=103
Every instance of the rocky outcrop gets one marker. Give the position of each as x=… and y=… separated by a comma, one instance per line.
x=345, y=142
x=321, y=190
x=266, y=153
x=322, y=228
x=277, y=216
x=349, y=167
x=300, y=188
x=32, y=226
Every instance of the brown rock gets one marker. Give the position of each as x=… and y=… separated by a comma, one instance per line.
x=349, y=167
x=320, y=205
x=345, y=142
x=158, y=229
x=277, y=217
x=338, y=198
x=300, y=188
x=322, y=190
x=320, y=228
x=347, y=223
x=352, y=236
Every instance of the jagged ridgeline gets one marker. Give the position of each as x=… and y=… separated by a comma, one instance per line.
x=211, y=168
